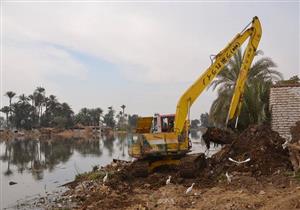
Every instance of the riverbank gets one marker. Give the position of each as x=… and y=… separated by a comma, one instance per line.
x=39, y=167
x=276, y=191
x=265, y=180
x=254, y=171
x=53, y=133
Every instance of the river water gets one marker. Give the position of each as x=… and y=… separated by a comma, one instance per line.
x=39, y=167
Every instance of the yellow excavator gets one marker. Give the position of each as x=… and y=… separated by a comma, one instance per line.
x=164, y=139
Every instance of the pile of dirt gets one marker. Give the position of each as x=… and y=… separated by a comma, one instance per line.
x=122, y=191
x=294, y=146
x=263, y=176
x=295, y=132
x=218, y=136
x=259, y=144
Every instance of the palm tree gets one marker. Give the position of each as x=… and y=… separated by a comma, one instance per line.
x=23, y=98
x=51, y=103
x=123, y=108
x=31, y=97
x=39, y=97
x=255, y=100
x=10, y=95
x=6, y=110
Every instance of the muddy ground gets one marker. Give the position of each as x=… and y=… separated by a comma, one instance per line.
x=266, y=181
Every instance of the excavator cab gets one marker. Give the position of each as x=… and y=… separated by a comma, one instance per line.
x=155, y=136
x=163, y=123
x=155, y=143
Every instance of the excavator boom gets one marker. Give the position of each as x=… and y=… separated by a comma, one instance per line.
x=221, y=59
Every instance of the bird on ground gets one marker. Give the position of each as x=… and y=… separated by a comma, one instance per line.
x=239, y=162
x=228, y=177
x=189, y=189
x=168, y=180
x=105, y=177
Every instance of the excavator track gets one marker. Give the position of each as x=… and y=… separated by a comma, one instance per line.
x=140, y=168
x=190, y=165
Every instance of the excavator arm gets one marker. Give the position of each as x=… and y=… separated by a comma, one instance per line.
x=221, y=59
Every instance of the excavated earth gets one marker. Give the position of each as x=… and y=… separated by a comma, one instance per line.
x=265, y=182
x=294, y=146
x=295, y=131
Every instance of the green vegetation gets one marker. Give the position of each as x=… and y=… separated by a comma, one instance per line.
x=89, y=116
x=255, y=108
x=291, y=81
x=204, y=120
x=109, y=118
x=38, y=110
x=195, y=123
x=92, y=175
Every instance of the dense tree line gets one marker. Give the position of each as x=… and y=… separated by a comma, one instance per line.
x=255, y=105
x=39, y=110
x=36, y=110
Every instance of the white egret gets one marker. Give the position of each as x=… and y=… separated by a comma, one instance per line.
x=105, y=177
x=228, y=177
x=189, y=189
x=168, y=180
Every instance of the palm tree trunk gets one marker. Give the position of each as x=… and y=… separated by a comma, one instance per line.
x=7, y=119
x=9, y=112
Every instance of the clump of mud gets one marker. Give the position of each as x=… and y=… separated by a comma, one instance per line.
x=218, y=136
x=295, y=131
x=294, y=146
x=259, y=143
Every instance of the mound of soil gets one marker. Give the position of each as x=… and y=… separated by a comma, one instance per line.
x=294, y=146
x=252, y=183
x=259, y=143
x=218, y=136
x=295, y=131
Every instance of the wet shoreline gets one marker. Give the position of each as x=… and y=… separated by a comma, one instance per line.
x=36, y=164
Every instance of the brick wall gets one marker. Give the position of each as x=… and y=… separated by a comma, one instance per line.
x=285, y=108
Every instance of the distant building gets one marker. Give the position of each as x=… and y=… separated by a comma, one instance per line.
x=285, y=107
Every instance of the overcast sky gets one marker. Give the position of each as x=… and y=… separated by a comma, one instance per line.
x=140, y=54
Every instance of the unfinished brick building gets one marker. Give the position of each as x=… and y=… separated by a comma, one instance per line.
x=285, y=107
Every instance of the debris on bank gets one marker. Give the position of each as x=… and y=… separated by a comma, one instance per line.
x=259, y=144
x=218, y=136
x=84, y=133
x=294, y=146
x=252, y=172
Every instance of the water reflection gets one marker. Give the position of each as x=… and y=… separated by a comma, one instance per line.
x=37, y=156
x=195, y=134
x=36, y=164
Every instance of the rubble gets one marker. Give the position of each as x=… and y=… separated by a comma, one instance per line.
x=268, y=174
x=295, y=132
x=294, y=146
x=259, y=143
